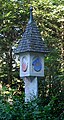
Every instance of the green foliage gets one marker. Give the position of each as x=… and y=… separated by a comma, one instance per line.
x=49, y=16
x=40, y=109
x=12, y=23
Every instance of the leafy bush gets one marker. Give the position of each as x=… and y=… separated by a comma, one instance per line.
x=39, y=109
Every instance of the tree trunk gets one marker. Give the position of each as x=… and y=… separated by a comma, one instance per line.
x=62, y=53
x=10, y=67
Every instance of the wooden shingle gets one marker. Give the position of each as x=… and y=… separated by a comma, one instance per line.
x=31, y=40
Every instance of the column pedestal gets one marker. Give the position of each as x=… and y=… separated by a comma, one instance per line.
x=31, y=88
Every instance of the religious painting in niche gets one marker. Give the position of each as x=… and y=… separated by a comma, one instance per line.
x=37, y=64
x=24, y=64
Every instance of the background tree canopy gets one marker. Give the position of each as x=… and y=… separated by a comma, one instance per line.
x=49, y=17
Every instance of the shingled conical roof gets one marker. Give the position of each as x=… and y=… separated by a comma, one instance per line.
x=31, y=40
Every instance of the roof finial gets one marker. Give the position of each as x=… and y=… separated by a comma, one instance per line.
x=31, y=15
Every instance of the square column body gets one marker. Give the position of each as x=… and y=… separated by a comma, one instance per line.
x=31, y=64
x=31, y=88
